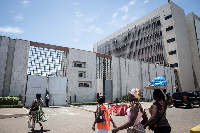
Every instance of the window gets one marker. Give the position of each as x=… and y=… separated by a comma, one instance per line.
x=174, y=65
x=85, y=84
x=167, y=17
x=172, y=52
x=139, y=32
x=136, y=42
x=170, y=40
x=158, y=23
x=79, y=64
x=82, y=74
x=169, y=28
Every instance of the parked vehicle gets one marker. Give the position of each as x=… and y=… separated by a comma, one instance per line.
x=187, y=99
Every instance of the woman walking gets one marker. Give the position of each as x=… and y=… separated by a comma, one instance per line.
x=36, y=111
x=135, y=112
x=158, y=121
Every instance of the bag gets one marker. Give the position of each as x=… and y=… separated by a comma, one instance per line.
x=136, y=129
x=102, y=116
x=35, y=107
x=31, y=123
x=152, y=127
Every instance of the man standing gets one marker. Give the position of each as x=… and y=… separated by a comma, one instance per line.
x=47, y=99
x=102, y=118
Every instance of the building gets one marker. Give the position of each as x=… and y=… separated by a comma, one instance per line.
x=160, y=37
x=71, y=75
x=193, y=26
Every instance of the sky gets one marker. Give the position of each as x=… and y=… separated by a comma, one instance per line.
x=75, y=23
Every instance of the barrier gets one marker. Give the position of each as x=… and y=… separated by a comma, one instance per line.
x=119, y=110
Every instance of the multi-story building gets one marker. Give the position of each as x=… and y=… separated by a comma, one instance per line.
x=159, y=37
x=193, y=26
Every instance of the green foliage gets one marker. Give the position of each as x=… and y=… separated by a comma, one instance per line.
x=10, y=100
x=117, y=100
x=12, y=106
x=125, y=99
x=85, y=103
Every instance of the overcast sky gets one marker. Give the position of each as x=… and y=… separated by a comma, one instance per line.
x=75, y=23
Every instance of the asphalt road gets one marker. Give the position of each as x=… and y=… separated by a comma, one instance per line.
x=73, y=120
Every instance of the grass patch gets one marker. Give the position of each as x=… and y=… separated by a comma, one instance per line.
x=12, y=106
x=84, y=103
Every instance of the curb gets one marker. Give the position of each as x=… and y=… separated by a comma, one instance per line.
x=14, y=115
x=83, y=108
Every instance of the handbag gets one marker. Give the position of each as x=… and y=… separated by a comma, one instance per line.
x=34, y=107
x=139, y=128
x=31, y=123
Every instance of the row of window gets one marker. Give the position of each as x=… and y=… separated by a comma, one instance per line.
x=174, y=65
x=169, y=28
x=171, y=40
x=84, y=85
x=156, y=58
x=167, y=17
x=172, y=52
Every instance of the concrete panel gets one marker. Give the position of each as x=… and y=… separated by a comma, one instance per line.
x=9, y=66
x=4, y=42
x=160, y=70
x=57, y=91
x=116, y=78
x=19, y=71
x=145, y=80
x=133, y=75
x=35, y=84
x=83, y=94
x=100, y=86
x=153, y=74
x=123, y=77
x=108, y=91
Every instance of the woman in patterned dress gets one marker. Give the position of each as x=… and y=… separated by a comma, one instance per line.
x=36, y=111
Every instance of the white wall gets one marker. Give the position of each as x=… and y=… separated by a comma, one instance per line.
x=35, y=84
x=128, y=74
x=83, y=94
x=183, y=50
x=57, y=91
x=4, y=42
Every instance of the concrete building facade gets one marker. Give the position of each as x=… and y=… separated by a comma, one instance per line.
x=72, y=75
x=193, y=26
x=159, y=37
x=13, y=66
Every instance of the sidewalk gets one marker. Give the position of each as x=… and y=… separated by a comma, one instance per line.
x=13, y=112
x=21, y=112
x=92, y=108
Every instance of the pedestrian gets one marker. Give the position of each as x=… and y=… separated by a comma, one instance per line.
x=37, y=113
x=158, y=121
x=47, y=99
x=102, y=118
x=135, y=112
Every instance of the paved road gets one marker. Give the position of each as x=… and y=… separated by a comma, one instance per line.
x=73, y=120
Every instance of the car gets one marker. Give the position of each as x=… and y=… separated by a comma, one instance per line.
x=187, y=99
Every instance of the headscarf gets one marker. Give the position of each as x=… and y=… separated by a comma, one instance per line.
x=135, y=92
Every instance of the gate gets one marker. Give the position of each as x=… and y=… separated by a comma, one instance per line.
x=39, y=84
